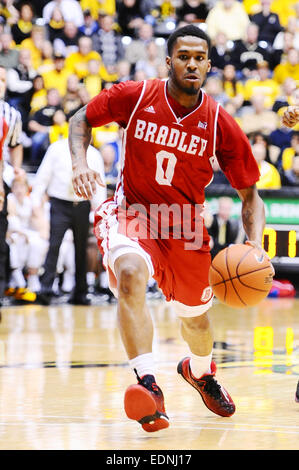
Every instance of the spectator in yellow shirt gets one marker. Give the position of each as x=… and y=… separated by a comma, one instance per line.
x=270, y=177
x=35, y=45
x=57, y=78
x=290, y=153
x=77, y=62
x=59, y=128
x=263, y=84
x=290, y=68
x=39, y=97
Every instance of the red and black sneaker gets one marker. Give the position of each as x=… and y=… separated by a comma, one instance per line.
x=213, y=395
x=144, y=402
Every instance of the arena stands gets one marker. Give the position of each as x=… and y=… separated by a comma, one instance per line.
x=59, y=54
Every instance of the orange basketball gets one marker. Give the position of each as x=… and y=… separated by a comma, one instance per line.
x=240, y=276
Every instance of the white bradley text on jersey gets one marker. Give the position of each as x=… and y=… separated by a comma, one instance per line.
x=170, y=137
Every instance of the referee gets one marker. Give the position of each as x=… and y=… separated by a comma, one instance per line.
x=12, y=158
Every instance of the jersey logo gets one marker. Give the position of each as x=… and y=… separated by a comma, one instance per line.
x=150, y=109
x=203, y=125
x=206, y=294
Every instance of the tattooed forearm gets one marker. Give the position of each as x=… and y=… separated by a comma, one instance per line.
x=79, y=136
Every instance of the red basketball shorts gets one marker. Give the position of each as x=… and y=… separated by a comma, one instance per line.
x=181, y=274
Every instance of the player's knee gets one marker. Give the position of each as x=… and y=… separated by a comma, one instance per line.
x=131, y=281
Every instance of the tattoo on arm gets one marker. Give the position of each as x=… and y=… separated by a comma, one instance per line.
x=79, y=136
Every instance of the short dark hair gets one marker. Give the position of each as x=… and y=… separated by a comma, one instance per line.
x=188, y=30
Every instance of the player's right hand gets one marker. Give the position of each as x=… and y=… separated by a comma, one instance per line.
x=85, y=182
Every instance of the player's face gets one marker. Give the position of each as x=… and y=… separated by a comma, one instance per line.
x=189, y=64
x=2, y=82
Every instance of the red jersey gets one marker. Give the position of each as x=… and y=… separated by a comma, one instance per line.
x=165, y=158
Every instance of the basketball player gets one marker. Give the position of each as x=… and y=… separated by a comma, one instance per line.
x=172, y=133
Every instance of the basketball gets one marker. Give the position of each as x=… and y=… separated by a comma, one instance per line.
x=241, y=276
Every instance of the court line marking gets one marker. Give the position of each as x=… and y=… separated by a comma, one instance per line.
x=199, y=424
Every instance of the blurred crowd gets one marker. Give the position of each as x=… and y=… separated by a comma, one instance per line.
x=59, y=54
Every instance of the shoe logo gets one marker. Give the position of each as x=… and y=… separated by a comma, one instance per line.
x=203, y=125
x=150, y=109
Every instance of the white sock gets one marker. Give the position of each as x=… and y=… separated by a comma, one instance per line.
x=33, y=283
x=144, y=364
x=17, y=278
x=200, y=365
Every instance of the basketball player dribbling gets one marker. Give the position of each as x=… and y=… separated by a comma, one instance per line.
x=172, y=131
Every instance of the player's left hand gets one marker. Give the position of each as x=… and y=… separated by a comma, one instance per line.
x=258, y=246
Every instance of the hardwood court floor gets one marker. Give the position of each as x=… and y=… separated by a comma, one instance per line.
x=63, y=373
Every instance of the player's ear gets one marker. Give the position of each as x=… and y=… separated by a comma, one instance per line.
x=168, y=62
x=209, y=65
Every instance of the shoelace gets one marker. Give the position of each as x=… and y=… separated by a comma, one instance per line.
x=148, y=381
x=212, y=387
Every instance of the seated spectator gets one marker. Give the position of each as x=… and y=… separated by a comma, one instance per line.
x=293, y=34
x=286, y=97
x=222, y=228
x=22, y=29
x=90, y=25
x=268, y=23
x=263, y=83
x=232, y=87
x=213, y=87
x=56, y=25
x=247, y=53
x=39, y=96
x=47, y=62
x=8, y=12
x=109, y=155
x=20, y=84
x=231, y=108
x=291, y=152
x=107, y=42
x=67, y=43
x=258, y=117
x=9, y=56
x=59, y=128
x=151, y=62
x=272, y=152
x=57, y=78
x=220, y=52
x=40, y=124
x=130, y=17
x=193, y=11
x=229, y=17
x=270, y=177
x=291, y=176
x=27, y=245
x=71, y=101
x=77, y=62
x=93, y=81
x=70, y=9
x=95, y=7
x=290, y=68
x=123, y=71
x=136, y=50
x=35, y=44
